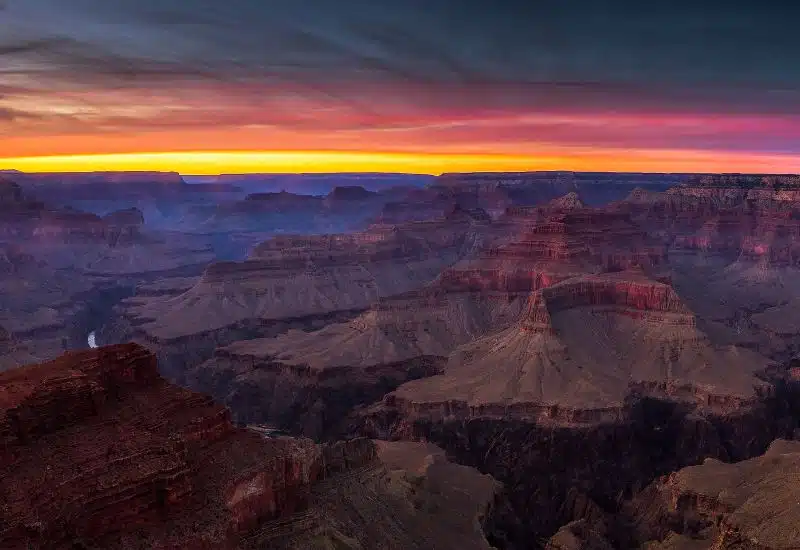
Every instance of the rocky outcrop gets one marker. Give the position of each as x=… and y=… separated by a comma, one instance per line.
x=69, y=226
x=605, y=383
x=559, y=245
x=581, y=350
x=97, y=450
x=302, y=282
x=579, y=535
x=412, y=497
x=310, y=399
x=750, y=504
x=733, y=254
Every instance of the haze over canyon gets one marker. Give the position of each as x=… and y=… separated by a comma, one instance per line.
x=554, y=360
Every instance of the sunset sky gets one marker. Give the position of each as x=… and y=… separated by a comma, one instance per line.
x=209, y=86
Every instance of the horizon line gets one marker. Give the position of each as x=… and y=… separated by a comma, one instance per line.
x=296, y=162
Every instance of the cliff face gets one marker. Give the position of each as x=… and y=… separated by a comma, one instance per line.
x=348, y=193
x=750, y=504
x=302, y=282
x=574, y=353
x=412, y=498
x=23, y=218
x=124, y=225
x=603, y=384
x=98, y=450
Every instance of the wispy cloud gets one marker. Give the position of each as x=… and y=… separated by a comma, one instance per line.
x=434, y=72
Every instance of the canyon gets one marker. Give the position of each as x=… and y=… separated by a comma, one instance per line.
x=99, y=451
x=610, y=351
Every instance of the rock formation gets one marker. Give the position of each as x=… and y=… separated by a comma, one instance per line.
x=574, y=352
x=413, y=499
x=583, y=347
x=292, y=282
x=345, y=208
x=308, y=382
x=570, y=201
x=749, y=504
x=99, y=451
x=733, y=253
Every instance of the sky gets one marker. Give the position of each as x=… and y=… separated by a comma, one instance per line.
x=206, y=86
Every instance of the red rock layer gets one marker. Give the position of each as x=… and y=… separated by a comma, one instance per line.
x=622, y=292
x=96, y=449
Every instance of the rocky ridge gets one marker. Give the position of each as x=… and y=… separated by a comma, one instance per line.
x=98, y=450
x=617, y=343
x=290, y=282
x=751, y=504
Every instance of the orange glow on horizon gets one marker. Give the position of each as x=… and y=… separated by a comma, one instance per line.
x=221, y=162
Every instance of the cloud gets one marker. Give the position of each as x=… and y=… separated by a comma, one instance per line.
x=416, y=66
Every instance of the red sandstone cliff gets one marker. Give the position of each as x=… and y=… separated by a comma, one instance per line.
x=98, y=450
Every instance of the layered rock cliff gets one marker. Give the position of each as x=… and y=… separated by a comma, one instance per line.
x=414, y=498
x=604, y=384
x=583, y=347
x=309, y=381
x=302, y=282
x=751, y=504
x=97, y=450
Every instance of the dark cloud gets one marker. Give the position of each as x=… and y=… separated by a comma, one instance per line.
x=709, y=43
